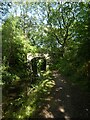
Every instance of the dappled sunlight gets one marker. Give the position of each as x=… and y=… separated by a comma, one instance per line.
x=47, y=114
x=62, y=80
x=47, y=106
x=48, y=99
x=48, y=92
x=86, y=109
x=50, y=83
x=36, y=95
x=55, y=75
x=58, y=100
x=61, y=109
x=68, y=96
x=67, y=117
x=29, y=110
x=65, y=82
x=20, y=117
x=45, y=59
x=47, y=73
x=60, y=88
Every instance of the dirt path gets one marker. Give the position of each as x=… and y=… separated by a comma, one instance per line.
x=65, y=101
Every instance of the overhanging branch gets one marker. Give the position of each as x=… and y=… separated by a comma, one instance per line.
x=57, y=39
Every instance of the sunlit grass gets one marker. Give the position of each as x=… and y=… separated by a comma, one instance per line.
x=36, y=96
x=26, y=106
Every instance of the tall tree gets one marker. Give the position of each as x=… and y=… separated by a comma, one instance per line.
x=61, y=18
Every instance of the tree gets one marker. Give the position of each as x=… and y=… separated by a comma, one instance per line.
x=83, y=37
x=15, y=45
x=61, y=18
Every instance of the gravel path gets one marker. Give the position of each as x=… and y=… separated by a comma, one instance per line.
x=65, y=101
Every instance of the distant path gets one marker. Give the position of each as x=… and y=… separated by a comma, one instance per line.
x=65, y=101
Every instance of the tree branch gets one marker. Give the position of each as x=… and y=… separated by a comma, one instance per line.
x=57, y=39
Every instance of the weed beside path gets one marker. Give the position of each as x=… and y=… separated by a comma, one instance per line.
x=65, y=101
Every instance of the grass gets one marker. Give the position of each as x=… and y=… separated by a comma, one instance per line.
x=36, y=96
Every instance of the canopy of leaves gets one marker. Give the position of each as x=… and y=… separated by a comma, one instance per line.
x=59, y=29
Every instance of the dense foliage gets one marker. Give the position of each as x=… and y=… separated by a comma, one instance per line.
x=60, y=30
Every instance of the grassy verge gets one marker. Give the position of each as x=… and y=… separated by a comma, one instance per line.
x=36, y=96
x=25, y=107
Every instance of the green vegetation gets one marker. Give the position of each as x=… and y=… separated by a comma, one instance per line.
x=59, y=30
x=25, y=106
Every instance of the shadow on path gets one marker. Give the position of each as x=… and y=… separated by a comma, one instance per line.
x=65, y=101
